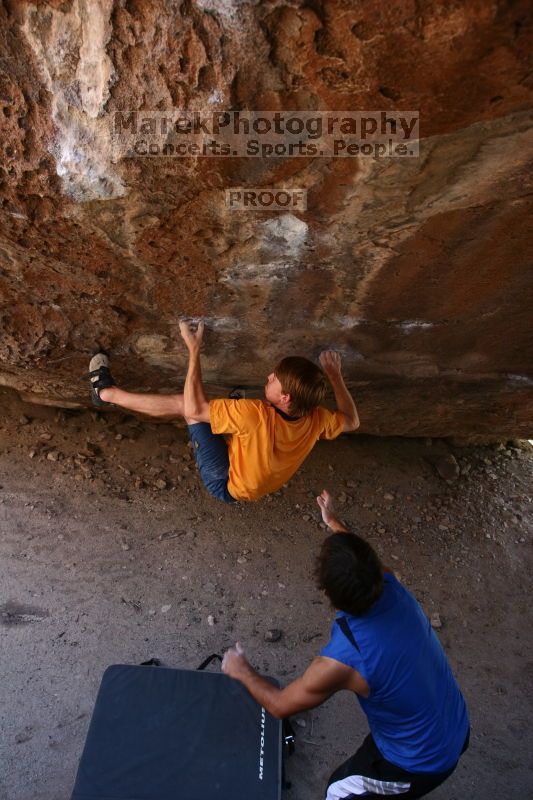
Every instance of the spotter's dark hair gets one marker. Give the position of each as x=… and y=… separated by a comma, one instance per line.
x=349, y=571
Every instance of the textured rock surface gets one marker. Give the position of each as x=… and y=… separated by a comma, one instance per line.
x=417, y=270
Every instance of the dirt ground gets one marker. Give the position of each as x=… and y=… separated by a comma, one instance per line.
x=112, y=552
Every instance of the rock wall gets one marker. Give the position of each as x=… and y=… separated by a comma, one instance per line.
x=417, y=270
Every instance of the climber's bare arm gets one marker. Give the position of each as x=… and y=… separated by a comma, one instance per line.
x=330, y=361
x=196, y=404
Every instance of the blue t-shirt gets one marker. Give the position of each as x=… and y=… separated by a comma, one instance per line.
x=416, y=712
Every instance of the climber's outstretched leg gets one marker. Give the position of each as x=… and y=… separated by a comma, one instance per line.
x=105, y=392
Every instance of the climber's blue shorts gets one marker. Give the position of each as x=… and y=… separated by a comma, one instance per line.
x=212, y=459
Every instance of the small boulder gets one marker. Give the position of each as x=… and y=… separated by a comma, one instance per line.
x=273, y=635
x=447, y=467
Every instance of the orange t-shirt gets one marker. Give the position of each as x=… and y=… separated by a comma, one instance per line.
x=265, y=449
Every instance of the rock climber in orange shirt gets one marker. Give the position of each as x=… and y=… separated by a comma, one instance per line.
x=245, y=449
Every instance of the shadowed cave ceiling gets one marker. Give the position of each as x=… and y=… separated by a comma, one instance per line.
x=417, y=270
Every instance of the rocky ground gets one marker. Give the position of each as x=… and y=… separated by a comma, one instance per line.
x=111, y=552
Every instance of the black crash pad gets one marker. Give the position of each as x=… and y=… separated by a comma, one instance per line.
x=170, y=734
